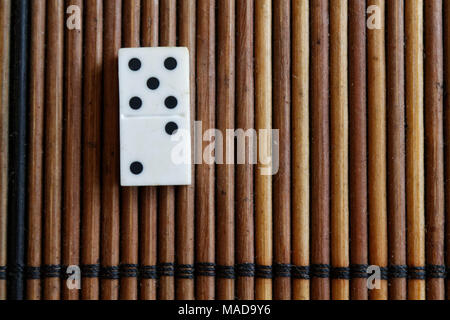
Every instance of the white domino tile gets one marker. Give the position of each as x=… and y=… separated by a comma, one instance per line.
x=154, y=101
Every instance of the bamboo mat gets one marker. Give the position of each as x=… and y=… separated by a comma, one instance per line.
x=355, y=207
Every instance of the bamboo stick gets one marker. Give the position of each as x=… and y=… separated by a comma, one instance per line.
x=148, y=195
x=17, y=152
x=92, y=115
x=300, y=150
x=339, y=152
x=205, y=244
x=73, y=98
x=415, y=147
x=53, y=148
x=320, y=158
x=378, y=246
x=5, y=16
x=185, y=195
x=358, y=148
x=263, y=122
x=166, y=201
x=35, y=164
x=129, y=254
x=281, y=121
x=110, y=224
x=225, y=172
x=396, y=147
x=434, y=152
x=446, y=11
x=245, y=119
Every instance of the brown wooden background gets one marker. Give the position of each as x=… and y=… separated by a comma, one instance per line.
x=363, y=164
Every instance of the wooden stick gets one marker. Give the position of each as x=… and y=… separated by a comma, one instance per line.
x=17, y=152
x=73, y=98
x=378, y=246
x=35, y=161
x=447, y=131
x=263, y=123
x=129, y=255
x=166, y=201
x=358, y=148
x=281, y=121
x=225, y=172
x=415, y=147
x=434, y=152
x=339, y=152
x=245, y=118
x=300, y=150
x=53, y=147
x=148, y=195
x=110, y=164
x=92, y=164
x=205, y=224
x=320, y=158
x=396, y=145
x=185, y=195
x=5, y=16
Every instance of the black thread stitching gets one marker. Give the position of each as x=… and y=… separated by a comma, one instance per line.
x=301, y=272
x=205, y=269
x=15, y=271
x=225, y=272
x=63, y=274
x=166, y=269
x=340, y=273
x=110, y=272
x=398, y=272
x=52, y=271
x=148, y=272
x=263, y=272
x=359, y=271
x=128, y=270
x=90, y=271
x=282, y=270
x=184, y=271
x=320, y=271
x=3, y=272
x=245, y=270
x=436, y=272
x=417, y=273
x=32, y=273
x=384, y=273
